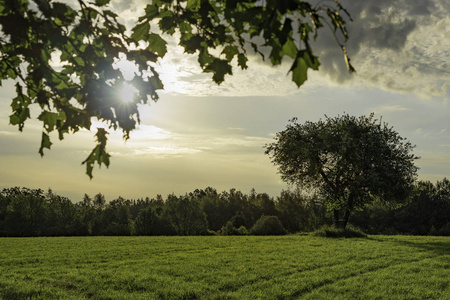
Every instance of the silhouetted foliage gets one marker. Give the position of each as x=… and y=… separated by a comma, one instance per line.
x=268, y=225
x=299, y=213
x=426, y=212
x=148, y=222
x=334, y=232
x=88, y=38
x=230, y=229
x=185, y=215
x=28, y=212
x=348, y=161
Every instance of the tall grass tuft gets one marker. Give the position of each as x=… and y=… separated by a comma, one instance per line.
x=332, y=232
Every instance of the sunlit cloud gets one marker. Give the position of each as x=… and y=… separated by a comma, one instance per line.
x=7, y=133
x=240, y=140
x=390, y=109
x=150, y=132
x=128, y=68
x=157, y=152
x=236, y=129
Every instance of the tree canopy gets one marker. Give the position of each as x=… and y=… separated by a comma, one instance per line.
x=62, y=57
x=350, y=161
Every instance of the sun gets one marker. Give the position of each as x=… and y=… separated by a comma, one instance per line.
x=127, y=92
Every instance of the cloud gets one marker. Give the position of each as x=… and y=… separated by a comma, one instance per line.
x=236, y=129
x=398, y=45
x=159, y=152
x=390, y=108
x=150, y=132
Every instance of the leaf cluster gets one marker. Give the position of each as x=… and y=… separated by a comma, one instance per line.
x=63, y=57
x=225, y=30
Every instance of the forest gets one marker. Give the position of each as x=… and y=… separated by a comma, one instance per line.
x=34, y=212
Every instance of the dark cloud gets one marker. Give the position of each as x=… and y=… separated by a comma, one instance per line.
x=388, y=36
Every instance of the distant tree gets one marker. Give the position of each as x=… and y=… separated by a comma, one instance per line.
x=25, y=213
x=297, y=212
x=4, y=202
x=148, y=222
x=117, y=218
x=214, y=206
x=62, y=217
x=428, y=208
x=99, y=202
x=268, y=225
x=62, y=56
x=185, y=215
x=88, y=214
x=349, y=161
x=145, y=221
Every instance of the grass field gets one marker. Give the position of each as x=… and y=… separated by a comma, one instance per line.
x=224, y=267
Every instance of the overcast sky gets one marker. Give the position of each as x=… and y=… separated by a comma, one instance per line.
x=200, y=134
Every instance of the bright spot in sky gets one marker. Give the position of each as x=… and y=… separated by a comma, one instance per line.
x=128, y=68
x=127, y=93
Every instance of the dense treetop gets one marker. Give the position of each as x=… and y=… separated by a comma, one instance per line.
x=350, y=161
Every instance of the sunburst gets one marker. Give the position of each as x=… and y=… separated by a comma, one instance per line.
x=128, y=92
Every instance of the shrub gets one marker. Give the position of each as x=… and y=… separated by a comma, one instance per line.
x=229, y=229
x=445, y=230
x=268, y=225
x=332, y=232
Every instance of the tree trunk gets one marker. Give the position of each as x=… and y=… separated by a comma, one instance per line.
x=338, y=222
x=346, y=216
x=336, y=218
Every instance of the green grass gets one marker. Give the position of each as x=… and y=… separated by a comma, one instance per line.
x=225, y=267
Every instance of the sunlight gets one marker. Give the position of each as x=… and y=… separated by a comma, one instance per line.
x=128, y=68
x=127, y=92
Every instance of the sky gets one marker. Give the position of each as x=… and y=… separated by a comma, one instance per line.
x=200, y=134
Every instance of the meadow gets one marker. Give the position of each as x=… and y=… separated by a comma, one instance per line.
x=225, y=267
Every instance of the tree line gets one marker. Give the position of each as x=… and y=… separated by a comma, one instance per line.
x=33, y=212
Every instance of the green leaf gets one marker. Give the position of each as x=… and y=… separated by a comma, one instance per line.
x=220, y=68
x=98, y=154
x=185, y=27
x=191, y=43
x=204, y=57
x=45, y=143
x=193, y=5
x=168, y=24
x=14, y=119
x=156, y=82
x=11, y=73
x=151, y=11
x=289, y=49
x=140, y=31
x=230, y=52
x=157, y=44
x=300, y=66
x=102, y=2
x=64, y=13
x=299, y=71
x=242, y=61
x=49, y=119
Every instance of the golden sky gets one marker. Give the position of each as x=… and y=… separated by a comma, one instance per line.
x=200, y=134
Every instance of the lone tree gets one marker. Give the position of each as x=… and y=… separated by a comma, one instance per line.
x=62, y=56
x=347, y=160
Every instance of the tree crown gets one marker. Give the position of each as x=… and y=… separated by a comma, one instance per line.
x=348, y=160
